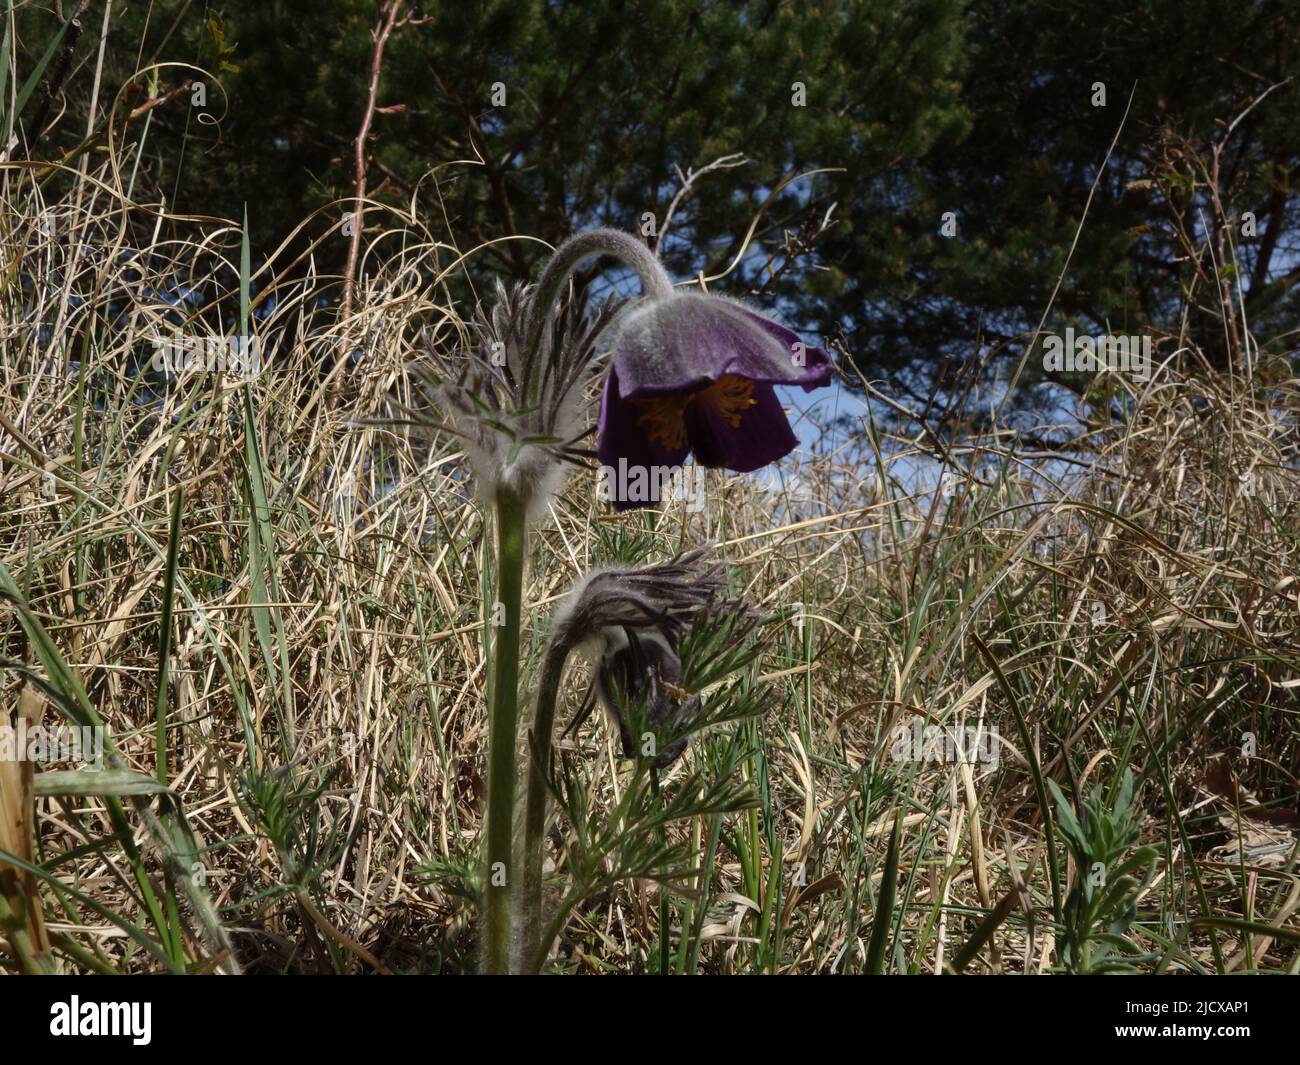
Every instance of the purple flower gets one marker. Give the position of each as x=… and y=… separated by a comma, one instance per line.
x=695, y=373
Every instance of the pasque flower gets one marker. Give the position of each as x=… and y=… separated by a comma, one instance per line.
x=634, y=618
x=516, y=394
x=696, y=373
x=688, y=372
x=631, y=621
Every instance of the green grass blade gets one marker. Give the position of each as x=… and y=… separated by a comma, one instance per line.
x=884, y=915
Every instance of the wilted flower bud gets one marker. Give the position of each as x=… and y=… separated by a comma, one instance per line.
x=633, y=619
x=642, y=668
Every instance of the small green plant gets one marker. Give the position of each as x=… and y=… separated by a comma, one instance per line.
x=1102, y=904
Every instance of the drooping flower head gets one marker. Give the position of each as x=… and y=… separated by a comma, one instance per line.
x=695, y=373
x=633, y=619
x=640, y=671
x=688, y=373
x=518, y=392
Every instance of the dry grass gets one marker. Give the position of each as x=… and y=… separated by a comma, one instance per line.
x=327, y=642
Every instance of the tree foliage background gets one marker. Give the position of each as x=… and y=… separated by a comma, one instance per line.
x=864, y=125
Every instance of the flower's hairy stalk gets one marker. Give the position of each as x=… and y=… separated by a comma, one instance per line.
x=655, y=282
x=608, y=610
x=518, y=399
x=697, y=372
x=502, y=729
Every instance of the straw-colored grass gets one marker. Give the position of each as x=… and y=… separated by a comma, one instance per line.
x=316, y=610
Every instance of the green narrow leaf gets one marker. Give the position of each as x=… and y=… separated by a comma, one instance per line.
x=1036, y=771
x=165, y=633
x=983, y=933
x=5, y=126
x=97, y=782
x=884, y=914
x=1233, y=924
x=29, y=86
x=131, y=930
x=264, y=585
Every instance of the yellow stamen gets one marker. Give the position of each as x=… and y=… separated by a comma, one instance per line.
x=664, y=417
x=664, y=420
x=731, y=396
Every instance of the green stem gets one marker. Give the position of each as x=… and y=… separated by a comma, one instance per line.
x=499, y=885
x=511, y=539
x=548, y=937
x=539, y=762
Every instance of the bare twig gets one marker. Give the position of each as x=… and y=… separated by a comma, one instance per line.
x=723, y=162
x=388, y=20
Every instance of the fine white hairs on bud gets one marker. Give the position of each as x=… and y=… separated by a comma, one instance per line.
x=664, y=595
x=632, y=620
x=521, y=414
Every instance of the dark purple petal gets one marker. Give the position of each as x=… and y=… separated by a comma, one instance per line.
x=693, y=372
x=634, y=669
x=689, y=340
x=745, y=442
x=816, y=371
x=628, y=452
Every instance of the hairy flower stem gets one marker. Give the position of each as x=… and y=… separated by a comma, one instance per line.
x=512, y=896
x=655, y=282
x=511, y=541
x=539, y=761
